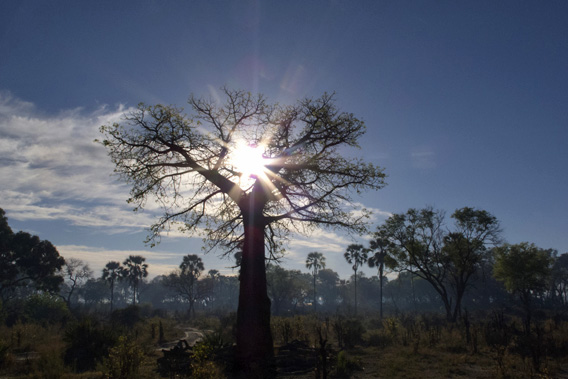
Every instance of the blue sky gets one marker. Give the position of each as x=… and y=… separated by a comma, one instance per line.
x=465, y=105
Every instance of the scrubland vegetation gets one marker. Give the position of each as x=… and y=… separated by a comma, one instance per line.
x=57, y=320
x=128, y=344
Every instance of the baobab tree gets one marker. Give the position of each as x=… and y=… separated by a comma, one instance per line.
x=111, y=274
x=133, y=271
x=357, y=256
x=250, y=173
x=315, y=262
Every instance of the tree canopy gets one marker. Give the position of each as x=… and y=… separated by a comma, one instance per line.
x=184, y=280
x=523, y=268
x=26, y=260
x=133, y=270
x=446, y=259
x=191, y=164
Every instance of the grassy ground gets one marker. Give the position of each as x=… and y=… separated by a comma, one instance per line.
x=430, y=348
x=406, y=347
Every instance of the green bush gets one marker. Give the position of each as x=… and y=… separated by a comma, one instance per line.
x=202, y=357
x=346, y=365
x=124, y=360
x=46, y=309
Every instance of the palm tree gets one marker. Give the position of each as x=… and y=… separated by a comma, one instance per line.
x=381, y=247
x=191, y=265
x=316, y=262
x=184, y=280
x=134, y=270
x=357, y=256
x=111, y=273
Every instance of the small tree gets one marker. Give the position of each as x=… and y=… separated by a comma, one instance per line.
x=76, y=272
x=559, y=281
x=315, y=262
x=525, y=270
x=25, y=260
x=286, y=288
x=357, y=256
x=328, y=290
x=446, y=260
x=184, y=280
x=251, y=173
x=111, y=274
x=133, y=271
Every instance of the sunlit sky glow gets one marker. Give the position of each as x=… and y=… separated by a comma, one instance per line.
x=249, y=161
x=464, y=102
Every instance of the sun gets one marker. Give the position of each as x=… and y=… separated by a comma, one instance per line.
x=249, y=161
x=250, y=165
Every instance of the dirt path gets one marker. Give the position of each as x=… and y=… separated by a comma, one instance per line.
x=191, y=335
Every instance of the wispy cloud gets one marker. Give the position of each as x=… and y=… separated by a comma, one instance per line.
x=423, y=159
x=52, y=168
x=159, y=262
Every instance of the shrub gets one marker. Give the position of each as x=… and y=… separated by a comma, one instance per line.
x=127, y=317
x=353, y=332
x=391, y=326
x=87, y=345
x=124, y=360
x=379, y=339
x=46, y=309
x=4, y=354
x=346, y=365
x=282, y=329
x=348, y=332
x=202, y=364
x=48, y=366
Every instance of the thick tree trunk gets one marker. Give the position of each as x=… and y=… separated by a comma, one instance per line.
x=254, y=355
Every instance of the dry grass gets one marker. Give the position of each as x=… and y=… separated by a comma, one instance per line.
x=392, y=348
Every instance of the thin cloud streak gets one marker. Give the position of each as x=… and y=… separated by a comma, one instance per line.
x=55, y=170
x=159, y=262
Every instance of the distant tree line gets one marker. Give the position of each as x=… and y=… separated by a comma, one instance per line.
x=422, y=266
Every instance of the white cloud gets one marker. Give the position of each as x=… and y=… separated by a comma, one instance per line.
x=159, y=262
x=52, y=168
